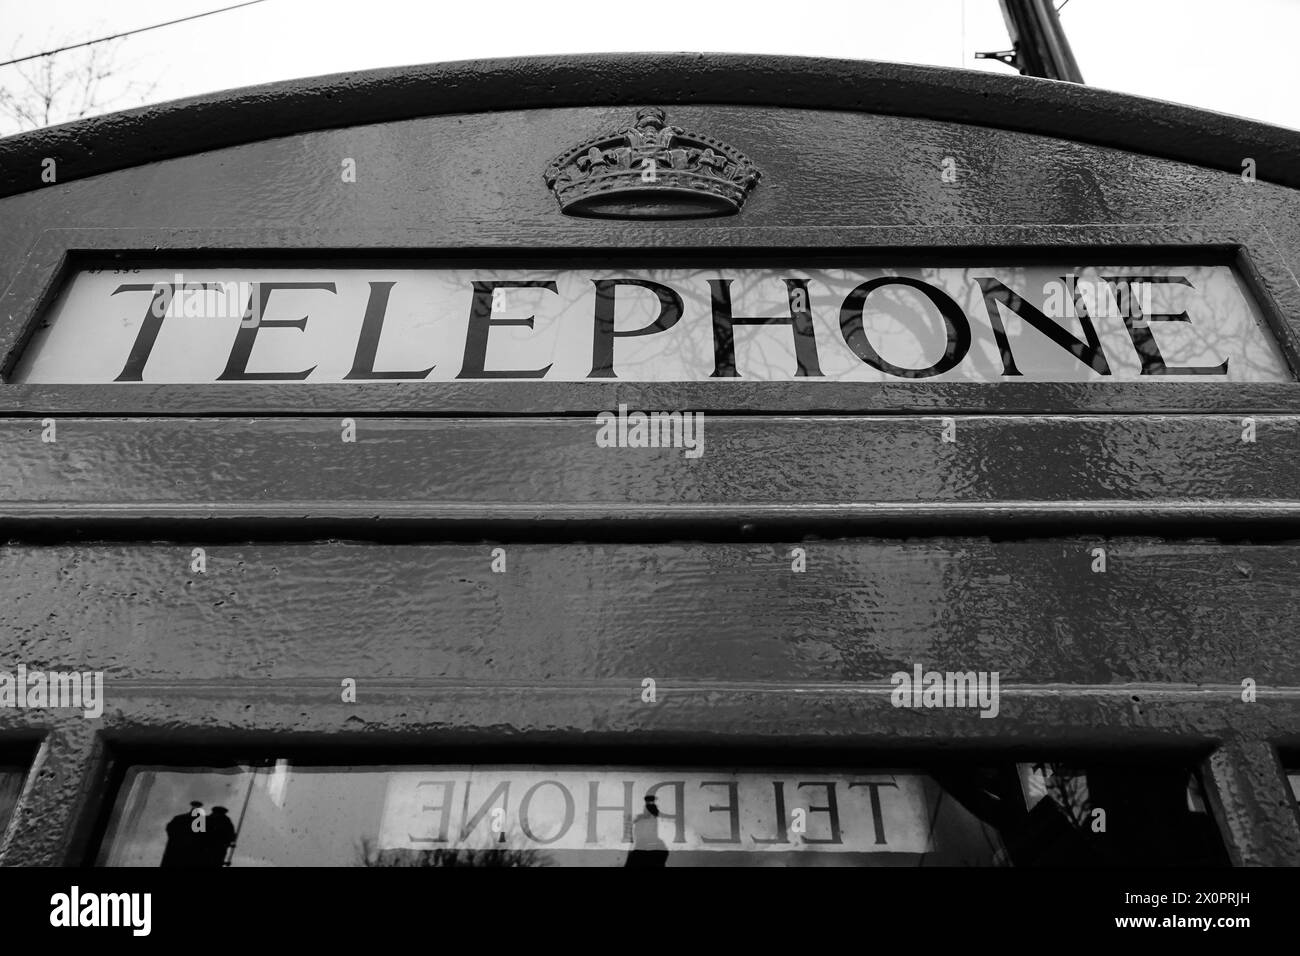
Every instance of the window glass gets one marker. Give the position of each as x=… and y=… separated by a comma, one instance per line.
x=11, y=785
x=285, y=814
x=1100, y=815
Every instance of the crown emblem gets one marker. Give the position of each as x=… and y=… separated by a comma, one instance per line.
x=650, y=170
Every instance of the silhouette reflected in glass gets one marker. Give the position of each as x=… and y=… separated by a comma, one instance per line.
x=198, y=838
x=220, y=838
x=184, y=847
x=647, y=849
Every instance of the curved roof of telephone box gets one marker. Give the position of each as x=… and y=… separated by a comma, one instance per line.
x=1048, y=107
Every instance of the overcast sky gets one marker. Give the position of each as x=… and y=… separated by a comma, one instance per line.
x=1235, y=57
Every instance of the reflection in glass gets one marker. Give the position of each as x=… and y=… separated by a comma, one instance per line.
x=648, y=850
x=11, y=786
x=526, y=815
x=1108, y=816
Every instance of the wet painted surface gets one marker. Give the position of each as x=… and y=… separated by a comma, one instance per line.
x=438, y=467
x=575, y=615
x=1242, y=780
x=462, y=179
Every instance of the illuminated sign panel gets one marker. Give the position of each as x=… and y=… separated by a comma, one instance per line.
x=407, y=325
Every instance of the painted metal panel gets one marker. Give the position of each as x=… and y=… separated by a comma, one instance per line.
x=1183, y=615
x=835, y=473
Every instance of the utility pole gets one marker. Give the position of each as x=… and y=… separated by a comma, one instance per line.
x=1040, y=47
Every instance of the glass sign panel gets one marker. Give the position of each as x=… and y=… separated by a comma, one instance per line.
x=405, y=325
x=11, y=786
x=278, y=813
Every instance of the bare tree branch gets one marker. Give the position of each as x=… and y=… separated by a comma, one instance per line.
x=67, y=86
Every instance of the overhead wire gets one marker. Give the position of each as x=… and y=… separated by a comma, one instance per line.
x=127, y=33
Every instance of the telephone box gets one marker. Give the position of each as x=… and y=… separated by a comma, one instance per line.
x=651, y=461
